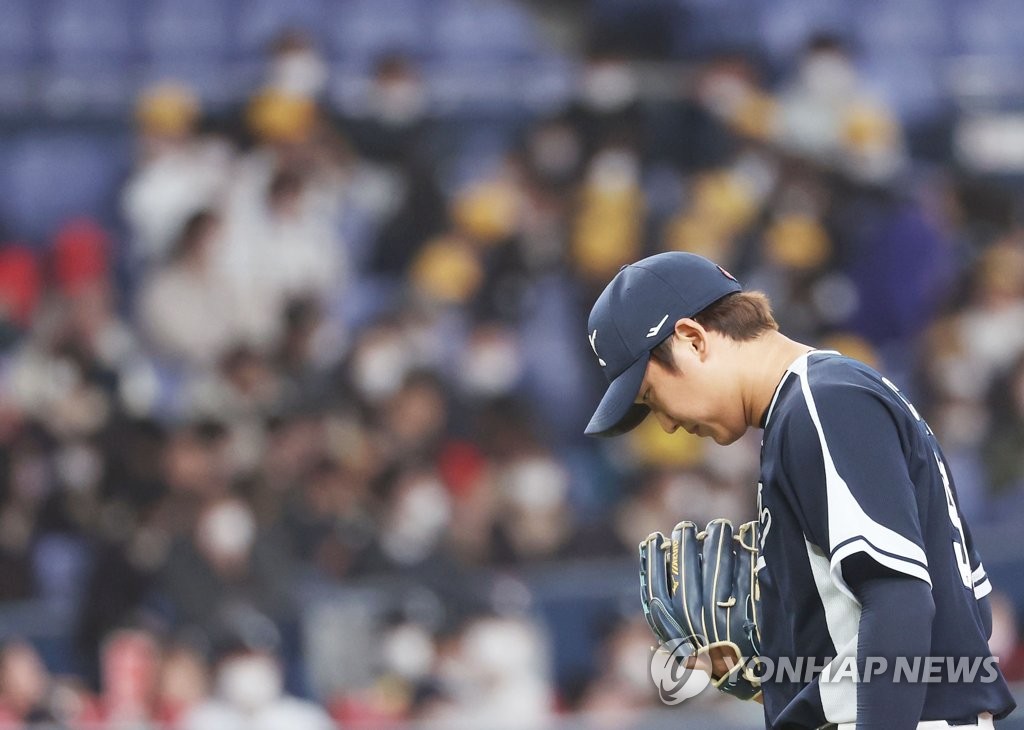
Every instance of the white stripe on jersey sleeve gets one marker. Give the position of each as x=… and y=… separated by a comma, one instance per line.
x=979, y=579
x=849, y=527
x=982, y=589
x=842, y=616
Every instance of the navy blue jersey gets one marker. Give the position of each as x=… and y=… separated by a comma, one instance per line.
x=848, y=466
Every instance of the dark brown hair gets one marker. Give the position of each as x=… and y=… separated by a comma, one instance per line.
x=740, y=316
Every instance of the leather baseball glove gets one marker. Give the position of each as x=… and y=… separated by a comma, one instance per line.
x=700, y=596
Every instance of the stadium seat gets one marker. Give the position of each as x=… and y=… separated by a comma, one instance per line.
x=98, y=30
x=786, y=25
x=87, y=89
x=208, y=77
x=989, y=27
x=703, y=27
x=48, y=178
x=362, y=30
x=256, y=23
x=912, y=85
x=185, y=28
x=17, y=38
x=481, y=29
x=899, y=26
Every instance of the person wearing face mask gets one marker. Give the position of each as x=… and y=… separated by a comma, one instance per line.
x=392, y=133
x=249, y=693
x=296, y=66
x=828, y=114
x=607, y=106
x=228, y=565
x=395, y=115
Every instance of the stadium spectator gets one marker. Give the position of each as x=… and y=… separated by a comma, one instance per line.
x=179, y=171
x=186, y=306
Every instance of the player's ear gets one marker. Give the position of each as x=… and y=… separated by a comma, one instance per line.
x=693, y=337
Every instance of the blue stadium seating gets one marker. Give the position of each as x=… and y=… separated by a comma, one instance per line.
x=99, y=30
x=704, y=27
x=911, y=84
x=493, y=87
x=47, y=178
x=185, y=28
x=361, y=30
x=17, y=37
x=16, y=93
x=989, y=27
x=87, y=89
x=785, y=25
x=256, y=23
x=892, y=26
x=481, y=29
x=210, y=78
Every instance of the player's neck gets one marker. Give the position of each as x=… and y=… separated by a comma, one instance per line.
x=770, y=355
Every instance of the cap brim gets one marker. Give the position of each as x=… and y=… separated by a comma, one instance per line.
x=618, y=411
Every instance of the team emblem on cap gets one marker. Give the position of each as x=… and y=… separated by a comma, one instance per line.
x=593, y=346
x=653, y=331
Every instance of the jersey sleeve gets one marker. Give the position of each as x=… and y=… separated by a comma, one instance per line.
x=979, y=578
x=844, y=460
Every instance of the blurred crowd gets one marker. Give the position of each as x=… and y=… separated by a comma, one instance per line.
x=330, y=349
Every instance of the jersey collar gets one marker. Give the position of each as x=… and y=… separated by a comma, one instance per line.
x=796, y=365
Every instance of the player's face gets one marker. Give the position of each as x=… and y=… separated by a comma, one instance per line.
x=698, y=395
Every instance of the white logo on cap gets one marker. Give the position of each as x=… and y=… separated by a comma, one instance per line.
x=593, y=346
x=656, y=328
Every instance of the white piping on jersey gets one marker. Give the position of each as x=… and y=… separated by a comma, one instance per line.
x=982, y=589
x=792, y=369
x=850, y=530
x=979, y=578
x=842, y=617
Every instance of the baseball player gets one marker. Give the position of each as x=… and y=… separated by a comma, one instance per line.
x=862, y=556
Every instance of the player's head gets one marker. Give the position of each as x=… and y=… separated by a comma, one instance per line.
x=665, y=332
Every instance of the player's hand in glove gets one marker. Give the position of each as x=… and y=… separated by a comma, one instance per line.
x=700, y=589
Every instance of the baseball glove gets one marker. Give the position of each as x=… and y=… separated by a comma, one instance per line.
x=701, y=590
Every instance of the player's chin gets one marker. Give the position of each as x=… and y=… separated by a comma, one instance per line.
x=724, y=438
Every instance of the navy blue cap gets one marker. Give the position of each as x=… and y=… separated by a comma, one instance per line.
x=635, y=313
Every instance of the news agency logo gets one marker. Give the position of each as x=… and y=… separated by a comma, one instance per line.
x=678, y=678
x=676, y=682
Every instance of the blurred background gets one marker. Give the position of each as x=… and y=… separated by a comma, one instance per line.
x=293, y=365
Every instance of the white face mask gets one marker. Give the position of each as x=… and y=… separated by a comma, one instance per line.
x=491, y=366
x=299, y=73
x=408, y=651
x=227, y=531
x=502, y=648
x=536, y=483
x=399, y=102
x=250, y=682
x=417, y=521
x=608, y=87
x=379, y=368
x=614, y=171
x=829, y=75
